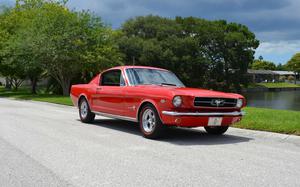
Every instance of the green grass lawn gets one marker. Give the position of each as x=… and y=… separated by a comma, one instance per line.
x=274, y=85
x=24, y=94
x=281, y=121
x=279, y=85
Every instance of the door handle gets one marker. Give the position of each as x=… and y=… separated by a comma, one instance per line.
x=98, y=89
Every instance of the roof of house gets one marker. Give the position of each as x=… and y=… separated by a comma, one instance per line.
x=269, y=72
x=262, y=72
x=284, y=72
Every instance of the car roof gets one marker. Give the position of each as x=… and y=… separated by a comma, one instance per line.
x=142, y=67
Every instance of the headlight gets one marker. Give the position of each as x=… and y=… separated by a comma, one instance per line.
x=177, y=101
x=239, y=103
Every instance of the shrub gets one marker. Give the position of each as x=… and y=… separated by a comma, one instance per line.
x=291, y=78
x=282, y=79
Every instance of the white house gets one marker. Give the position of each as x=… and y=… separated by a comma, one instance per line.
x=268, y=75
x=285, y=73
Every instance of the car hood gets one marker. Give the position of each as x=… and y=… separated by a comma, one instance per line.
x=195, y=92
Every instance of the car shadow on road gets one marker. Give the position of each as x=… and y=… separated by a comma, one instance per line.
x=174, y=135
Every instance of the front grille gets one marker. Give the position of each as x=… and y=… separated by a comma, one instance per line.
x=214, y=102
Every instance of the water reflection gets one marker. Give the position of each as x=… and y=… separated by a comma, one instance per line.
x=289, y=100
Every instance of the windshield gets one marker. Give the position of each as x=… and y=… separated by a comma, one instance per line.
x=143, y=76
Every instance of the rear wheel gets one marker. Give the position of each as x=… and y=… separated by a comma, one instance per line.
x=85, y=114
x=216, y=130
x=150, y=123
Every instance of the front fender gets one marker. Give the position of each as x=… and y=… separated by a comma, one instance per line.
x=157, y=103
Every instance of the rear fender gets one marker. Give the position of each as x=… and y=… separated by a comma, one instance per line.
x=85, y=96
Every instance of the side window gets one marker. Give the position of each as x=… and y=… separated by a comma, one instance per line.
x=112, y=78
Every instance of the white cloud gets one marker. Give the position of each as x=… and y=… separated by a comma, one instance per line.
x=279, y=48
x=278, y=51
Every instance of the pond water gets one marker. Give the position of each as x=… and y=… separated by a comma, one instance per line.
x=289, y=100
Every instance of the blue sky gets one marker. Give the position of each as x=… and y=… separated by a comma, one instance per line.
x=276, y=23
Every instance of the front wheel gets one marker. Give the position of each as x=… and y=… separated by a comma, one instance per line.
x=150, y=123
x=216, y=130
x=85, y=114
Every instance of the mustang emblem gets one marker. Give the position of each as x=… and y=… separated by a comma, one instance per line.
x=217, y=102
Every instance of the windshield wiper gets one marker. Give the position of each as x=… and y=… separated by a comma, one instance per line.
x=145, y=84
x=168, y=84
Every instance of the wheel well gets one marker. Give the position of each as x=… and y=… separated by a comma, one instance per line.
x=81, y=97
x=141, y=107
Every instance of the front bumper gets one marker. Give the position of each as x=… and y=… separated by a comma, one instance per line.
x=196, y=119
x=172, y=113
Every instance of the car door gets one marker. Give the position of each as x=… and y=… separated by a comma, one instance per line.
x=109, y=97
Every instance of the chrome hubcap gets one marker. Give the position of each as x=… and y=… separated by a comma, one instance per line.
x=83, y=109
x=148, y=120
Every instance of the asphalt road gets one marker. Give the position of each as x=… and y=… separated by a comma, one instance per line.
x=46, y=145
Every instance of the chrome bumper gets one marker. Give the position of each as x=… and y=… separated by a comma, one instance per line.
x=171, y=113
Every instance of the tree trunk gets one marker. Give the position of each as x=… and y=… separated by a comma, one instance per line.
x=227, y=81
x=16, y=83
x=133, y=60
x=66, y=87
x=33, y=85
x=7, y=83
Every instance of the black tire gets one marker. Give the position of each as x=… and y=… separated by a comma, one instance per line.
x=85, y=116
x=216, y=130
x=154, y=130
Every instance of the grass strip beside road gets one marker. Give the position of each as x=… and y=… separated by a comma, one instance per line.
x=275, y=85
x=279, y=85
x=43, y=97
x=281, y=121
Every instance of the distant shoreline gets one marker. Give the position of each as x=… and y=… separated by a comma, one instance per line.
x=260, y=89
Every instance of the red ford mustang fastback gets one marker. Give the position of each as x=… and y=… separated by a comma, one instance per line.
x=156, y=99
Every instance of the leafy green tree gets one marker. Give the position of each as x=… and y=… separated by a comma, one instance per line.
x=21, y=46
x=281, y=67
x=202, y=53
x=263, y=65
x=44, y=36
x=294, y=63
x=16, y=53
x=237, y=51
x=73, y=42
x=10, y=66
x=14, y=72
x=131, y=46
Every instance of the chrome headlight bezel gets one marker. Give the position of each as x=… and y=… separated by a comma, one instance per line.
x=239, y=103
x=177, y=101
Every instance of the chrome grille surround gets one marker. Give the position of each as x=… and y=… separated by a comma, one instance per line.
x=215, y=102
